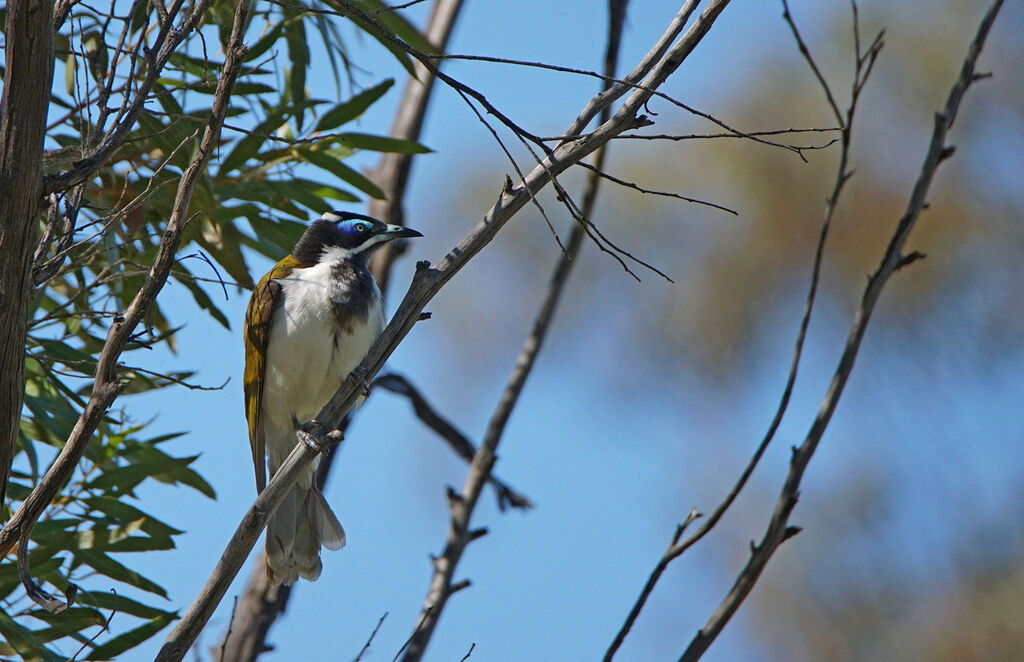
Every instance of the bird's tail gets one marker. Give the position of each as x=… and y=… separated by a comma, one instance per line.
x=301, y=524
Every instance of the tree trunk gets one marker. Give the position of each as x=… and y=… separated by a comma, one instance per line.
x=26, y=96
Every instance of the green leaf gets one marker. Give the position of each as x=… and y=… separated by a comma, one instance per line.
x=30, y=453
x=333, y=192
x=394, y=25
x=70, y=64
x=299, y=191
x=276, y=237
x=381, y=143
x=340, y=170
x=397, y=23
x=248, y=88
x=272, y=193
x=122, y=513
x=223, y=241
x=264, y=43
x=247, y=147
x=105, y=565
x=121, y=604
x=102, y=537
x=53, y=423
x=9, y=571
x=67, y=623
x=140, y=544
x=75, y=359
x=25, y=642
x=172, y=470
x=298, y=53
x=125, y=479
x=203, y=300
x=183, y=475
x=354, y=107
x=123, y=642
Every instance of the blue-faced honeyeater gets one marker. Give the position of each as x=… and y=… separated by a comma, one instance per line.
x=310, y=321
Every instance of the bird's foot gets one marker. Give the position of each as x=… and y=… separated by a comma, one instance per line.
x=360, y=377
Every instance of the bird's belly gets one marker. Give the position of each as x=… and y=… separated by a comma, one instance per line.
x=310, y=355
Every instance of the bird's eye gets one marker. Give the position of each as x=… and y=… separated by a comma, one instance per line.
x=360, y=227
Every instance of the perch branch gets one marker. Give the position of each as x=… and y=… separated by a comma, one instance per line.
x=426, y=282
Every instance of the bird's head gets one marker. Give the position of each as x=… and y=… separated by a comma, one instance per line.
x=346, y=234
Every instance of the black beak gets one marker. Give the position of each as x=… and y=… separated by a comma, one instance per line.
x=400, y=232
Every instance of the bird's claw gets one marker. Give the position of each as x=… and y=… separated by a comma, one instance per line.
x=360, y=377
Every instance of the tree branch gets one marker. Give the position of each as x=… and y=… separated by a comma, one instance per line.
x=427, y=281
x=459, y=533
x=678, y=547
x=107, y=386
x=27, y=78
x=778, y=529
x=458, y=442
x=263, y=602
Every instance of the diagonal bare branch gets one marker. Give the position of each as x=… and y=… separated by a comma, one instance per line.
x=678, y=547
x=107, y=385
x=458, y=442
x=427, y=281
x=459, y=533
x=262, y=602
x=778, y=529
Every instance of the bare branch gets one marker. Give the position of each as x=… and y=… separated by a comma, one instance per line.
x=369, y=641
x=262, y=602
x=667, y=194
x=459, y=533
x=107, y=385
x=463, y=447
x=677, y=548
x=778, y=529
x=427, y=281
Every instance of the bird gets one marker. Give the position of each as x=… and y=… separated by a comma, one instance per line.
x=310, y=321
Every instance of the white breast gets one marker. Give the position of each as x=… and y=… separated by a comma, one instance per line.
x=308, y=355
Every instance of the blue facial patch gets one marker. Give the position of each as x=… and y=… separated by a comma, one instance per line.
x=355, y=227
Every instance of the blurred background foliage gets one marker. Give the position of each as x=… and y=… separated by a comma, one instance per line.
x=913, y=547
x=252, y=201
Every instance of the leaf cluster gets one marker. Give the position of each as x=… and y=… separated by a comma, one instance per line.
x=281, y=160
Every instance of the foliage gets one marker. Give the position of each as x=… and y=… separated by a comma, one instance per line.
x=283, y=161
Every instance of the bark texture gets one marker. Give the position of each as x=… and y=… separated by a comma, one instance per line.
x=26, y=95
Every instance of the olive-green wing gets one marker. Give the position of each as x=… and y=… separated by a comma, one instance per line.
x=266, y=298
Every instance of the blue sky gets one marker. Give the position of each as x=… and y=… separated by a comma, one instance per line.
x=613, y=453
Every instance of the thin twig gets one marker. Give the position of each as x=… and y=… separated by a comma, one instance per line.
x=171, y=379
x=105, y=628
x=732, y=132
x=459, y=533
x=646, y=191
x=231, y=621
x=458, y=442
x=366, y=646
x=778, y=529
x=427, y=281
x=262, y=602
x=677, y=548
